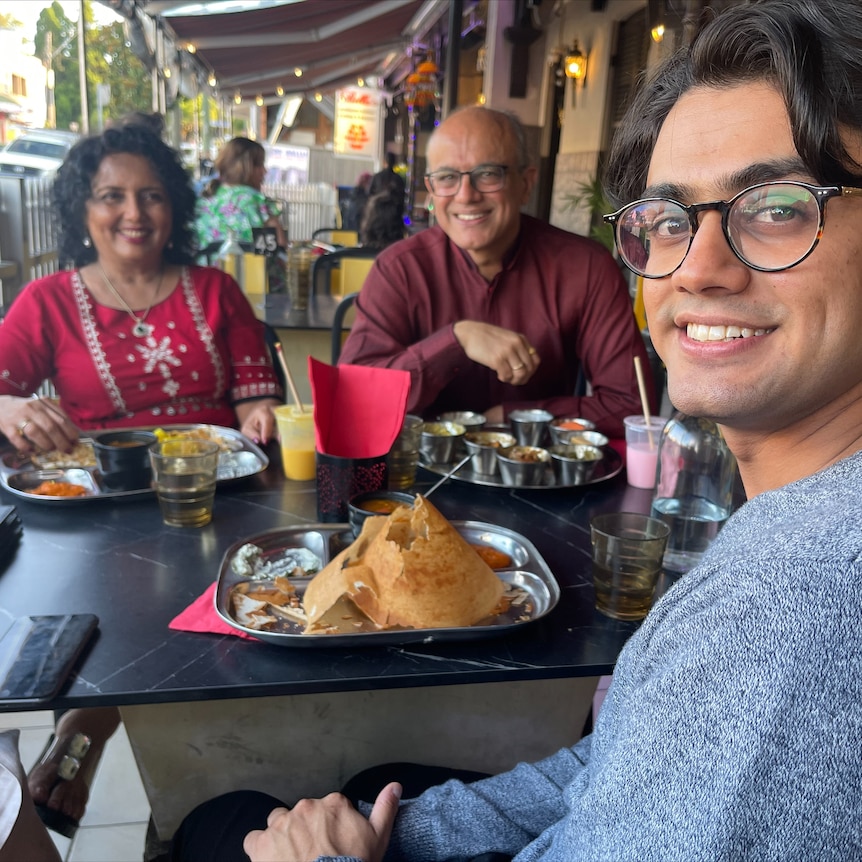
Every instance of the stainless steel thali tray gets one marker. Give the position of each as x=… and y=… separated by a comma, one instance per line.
x=534, y=588
x=608, y=467
x=19, y=475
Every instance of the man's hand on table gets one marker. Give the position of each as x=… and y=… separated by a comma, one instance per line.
x=326, y=827
x=508, y=353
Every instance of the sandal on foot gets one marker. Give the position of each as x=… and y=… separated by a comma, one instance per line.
x=68, y=762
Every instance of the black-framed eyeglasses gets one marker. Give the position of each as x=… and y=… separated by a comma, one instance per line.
x=484, y=178
x=769, y=227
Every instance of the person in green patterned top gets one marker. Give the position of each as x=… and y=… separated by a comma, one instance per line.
x=233, y=201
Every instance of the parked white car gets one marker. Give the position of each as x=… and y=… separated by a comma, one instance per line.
x=36, y=153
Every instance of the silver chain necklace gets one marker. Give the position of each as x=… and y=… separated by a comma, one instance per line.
x=140, y=329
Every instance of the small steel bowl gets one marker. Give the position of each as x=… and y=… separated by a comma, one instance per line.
x=530, y=426
x=483, y=446
x=470, y=420
x=563, y=427
x=373, y=503
x=517, y=471
x=585, y=438
x=440, y=441
x=574, y=464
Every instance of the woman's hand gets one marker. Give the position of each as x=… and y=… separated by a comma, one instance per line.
x=36, y=423
x=256, y=419
x=325, y=827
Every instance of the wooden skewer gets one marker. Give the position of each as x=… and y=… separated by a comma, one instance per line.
x=289, y=377
x=644, y=401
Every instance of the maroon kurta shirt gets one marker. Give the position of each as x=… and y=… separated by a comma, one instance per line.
x=564, y=292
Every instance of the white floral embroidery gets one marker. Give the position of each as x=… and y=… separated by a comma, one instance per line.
x=158, y=354
x=204, y=332
x=91, y=336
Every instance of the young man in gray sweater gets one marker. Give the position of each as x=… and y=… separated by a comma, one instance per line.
x=732, y=728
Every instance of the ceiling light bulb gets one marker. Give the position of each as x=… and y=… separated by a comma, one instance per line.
x=190, y=48
x=258, y=100
x=298, y=72
x=167, y=71
x=279, y=90
x=212, y=80
x=237, y=97
x=318, y=97
x=360, y=82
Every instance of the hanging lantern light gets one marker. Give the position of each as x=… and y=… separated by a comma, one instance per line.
x=422, y=86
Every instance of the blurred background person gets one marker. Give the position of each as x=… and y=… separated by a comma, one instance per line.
x=389, y=181
x=233, y=201
x=133, y=334
x=354, y=206
x=381, y=224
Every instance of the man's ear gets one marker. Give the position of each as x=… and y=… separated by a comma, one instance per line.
x=530, y=175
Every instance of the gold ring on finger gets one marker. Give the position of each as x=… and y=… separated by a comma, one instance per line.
x=22, y=427
x=517, y=367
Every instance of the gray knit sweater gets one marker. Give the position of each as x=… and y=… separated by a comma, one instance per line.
x=732, y=729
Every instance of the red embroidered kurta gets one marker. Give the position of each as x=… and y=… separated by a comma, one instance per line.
x=206, y=352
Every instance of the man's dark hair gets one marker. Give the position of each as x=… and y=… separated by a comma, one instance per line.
x=73, y=188
x=810, y=51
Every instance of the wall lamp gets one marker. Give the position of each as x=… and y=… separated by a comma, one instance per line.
x=575, y=63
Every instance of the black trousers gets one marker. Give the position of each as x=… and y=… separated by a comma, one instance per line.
x=215, y=830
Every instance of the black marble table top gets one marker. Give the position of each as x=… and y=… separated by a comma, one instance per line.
x=116, y=559
x=279, y=313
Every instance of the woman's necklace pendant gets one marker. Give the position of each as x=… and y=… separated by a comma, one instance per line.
x=141, y=329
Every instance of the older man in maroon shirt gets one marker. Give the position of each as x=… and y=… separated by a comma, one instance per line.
x=492, y=310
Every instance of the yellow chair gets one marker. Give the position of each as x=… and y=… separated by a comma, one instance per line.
x=345, y=237
x=353, y=272
x=336, y=237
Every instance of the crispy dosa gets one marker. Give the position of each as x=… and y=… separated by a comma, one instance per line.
x=412, y=569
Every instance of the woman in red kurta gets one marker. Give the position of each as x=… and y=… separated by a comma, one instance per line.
x=205, y=352
x=132, y=334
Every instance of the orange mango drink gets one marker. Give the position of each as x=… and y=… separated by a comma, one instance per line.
x=296, y=436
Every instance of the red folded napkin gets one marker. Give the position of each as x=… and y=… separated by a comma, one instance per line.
x=358, y=410
x=201, y=616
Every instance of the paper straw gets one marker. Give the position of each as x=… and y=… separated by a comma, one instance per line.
x=644, y=402
x=289, y=377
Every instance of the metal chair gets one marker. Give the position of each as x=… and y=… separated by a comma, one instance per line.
x=337, y=236
x=338, y=324
x=325, y=264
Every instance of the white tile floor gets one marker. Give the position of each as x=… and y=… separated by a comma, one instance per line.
x=114, y=828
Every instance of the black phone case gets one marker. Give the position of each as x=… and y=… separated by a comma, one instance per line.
x=37, y=654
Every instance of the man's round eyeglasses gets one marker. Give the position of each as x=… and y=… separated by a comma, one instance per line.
x=485, y=178
x=769, y=227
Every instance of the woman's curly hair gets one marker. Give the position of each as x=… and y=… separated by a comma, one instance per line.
x=73, y=189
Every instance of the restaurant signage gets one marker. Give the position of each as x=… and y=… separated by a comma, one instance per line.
x=357, y=122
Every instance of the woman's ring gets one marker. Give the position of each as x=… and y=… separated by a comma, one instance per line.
x=22, y=427
x=517, y=367
x=532, y=351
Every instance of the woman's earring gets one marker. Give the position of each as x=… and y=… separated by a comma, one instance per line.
x=430, y=206
x=87, y=242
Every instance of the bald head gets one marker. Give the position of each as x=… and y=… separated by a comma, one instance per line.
x=475, y=121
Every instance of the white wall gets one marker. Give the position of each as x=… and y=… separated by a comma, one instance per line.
x=584, y=124
x=13, y=59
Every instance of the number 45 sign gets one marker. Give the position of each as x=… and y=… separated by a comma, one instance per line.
x=264, y=240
